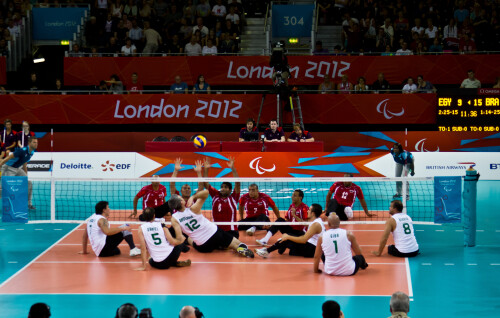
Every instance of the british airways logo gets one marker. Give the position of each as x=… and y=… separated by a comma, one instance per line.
x=382, y=108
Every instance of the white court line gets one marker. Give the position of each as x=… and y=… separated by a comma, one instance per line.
x=12, y=262
x=234, y=295
x=449, y=264
x=493, y=264
x=479, y=230
x=439, y=230
x=426, y=264
x=19, y=229
x=41, y=254
x=419, y=230
x=38, y=229
x=459, y=230
x=57, y=229
x=202, y=262
x=472, y=264
x=408, y=277
x=497, y=231
x=2, y=229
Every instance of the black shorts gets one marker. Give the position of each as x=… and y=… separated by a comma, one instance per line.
x=219, y=239
x=111, y=246
x=258, y=218
x=298, y=249
x=392, y=250
x=160, y=211
x=334, y=206
x=171, y=259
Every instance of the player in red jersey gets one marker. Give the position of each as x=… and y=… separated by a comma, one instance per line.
x=225, y=200
x=344, y=194
x=185, y=192
x=153, y=196
x=256, y=206
x=297, y=212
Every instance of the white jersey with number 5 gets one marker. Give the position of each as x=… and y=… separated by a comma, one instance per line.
x=404, y=236
x=97, y=237
x=196, y=226
x=338, y=256
x=156, y=242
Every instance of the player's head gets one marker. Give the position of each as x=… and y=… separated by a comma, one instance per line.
x=186, y=190
x=127, y=310
x=297, y=129
x=226, y=188
x=250, y=124
x=273, y=124
x=347, y=175
x=187, y=312
x=333, y=220
x=102, y=207
x=331, y=309
x=470, y=74
x=176, y=202
x=315, y=211
x=297, y=196
x=148, y=214
x=397, y=148
x=400, y=302
x=39, y=310
x=7, y=123
x=396, y=207
x=253, y=191
x=156, y=181
x=33, y=142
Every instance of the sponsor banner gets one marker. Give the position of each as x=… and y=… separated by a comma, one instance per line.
x=39, y=165
x=3, y=70
x=215, y=109
x=292, y=20
x=56, y=23
x=15, y=199
x=488, y=91
x=255, y=70
x=447, y=199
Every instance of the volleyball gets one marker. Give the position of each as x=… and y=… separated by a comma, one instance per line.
x=200, y=141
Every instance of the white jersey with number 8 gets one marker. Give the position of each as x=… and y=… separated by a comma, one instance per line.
x=156, y=242
x=404, y=236
x=196, y=226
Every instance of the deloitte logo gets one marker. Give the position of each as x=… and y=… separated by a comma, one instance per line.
x=75, y=166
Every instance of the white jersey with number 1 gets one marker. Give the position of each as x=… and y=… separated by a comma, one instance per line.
x=337, y=250
x=196, y=226
x=404, y=236
x=157, y=244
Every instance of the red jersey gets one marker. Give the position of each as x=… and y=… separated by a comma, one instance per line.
x=152, y=198
x=300, y=212
x=224, y=209
x=135, y=88
x=346, y=195
x=255, y=207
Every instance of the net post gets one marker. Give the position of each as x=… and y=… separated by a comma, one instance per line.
x=470, y=199
x=405, y=192
x=52, y=199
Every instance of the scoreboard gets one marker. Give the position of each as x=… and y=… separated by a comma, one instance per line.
x=462, y=113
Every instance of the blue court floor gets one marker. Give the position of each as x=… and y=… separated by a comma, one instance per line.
x=448, y=279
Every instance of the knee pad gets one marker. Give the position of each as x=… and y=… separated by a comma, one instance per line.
x=348, y=212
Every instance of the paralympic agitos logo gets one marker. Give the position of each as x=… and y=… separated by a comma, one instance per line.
x=382, y=108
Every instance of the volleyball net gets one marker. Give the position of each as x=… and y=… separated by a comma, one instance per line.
x=74, y=200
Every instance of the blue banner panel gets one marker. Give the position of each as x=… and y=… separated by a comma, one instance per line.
x=292, y=20
x=447, y=199
x=15, y=199
x=56, y=23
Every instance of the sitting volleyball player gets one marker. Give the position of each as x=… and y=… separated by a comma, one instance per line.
x=304, y=245
x=204, y=235
x=156, y=240
x=344, y=195
x=334, y=246
x=104, y=239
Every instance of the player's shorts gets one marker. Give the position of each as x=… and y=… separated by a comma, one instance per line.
x=339, y=209
x=392, y=250
x=219, y=239
x=168, y=262
x=111, y=246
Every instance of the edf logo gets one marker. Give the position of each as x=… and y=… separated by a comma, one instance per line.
x=494, y=166
x=111, y=166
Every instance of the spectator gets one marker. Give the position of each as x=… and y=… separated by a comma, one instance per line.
x=381, y=85
x=410, y=86
x=120, y=33
x=497, y=82
x=112, y=47
x=467, y=45
x=199, y=26
x=14, y=29
x=24, y=135
x=210, y=48
x=188, y=12
x=274, y=133
x=418, y=29
x=127, y=310
x=399, y=305
x=193, y=48
x=174, y=46
x=299, y=135
x=387, y=51
x=115, y=85
x=319, y=49
x=370, y=36
x=361, y=87
x=160, y=10
x=249, y=132
x=126, y=22
x=382, y=41
x=179, y=87
x=128, y=49
x=353, y=38
x=450, y=35
x=146, y=10
x=203, y=9
x=3, y=91
x=188, y=312
x=421, y=48
x=389, y=30
x=76, y=51
x=424, y=86
x=232, y=16
x=117, y=9
x=185, y=30
x=471, y=81
x=135, y=33
x=92, y=32
x=344, y=87
x=331, y=309
x=226, y=44
x=33, y=85
x=461, y=14
x=152, y=39
x=39, y=310
x=219, y=10
x=324, y=8
x=201, y=87
x=431, y=32
x=327, y=86
x=401, y=26
x=404, y=50
x=337, y=51
x=110, y=27
x=4, y=50
x=103, y=88
x=466, y=29
x=135, y=86
x=9, y=136
x=131, y=9
x=232, y=29
x=59, y=86
x=436, y=47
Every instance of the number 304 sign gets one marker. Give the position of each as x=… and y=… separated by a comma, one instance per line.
x=292, y=20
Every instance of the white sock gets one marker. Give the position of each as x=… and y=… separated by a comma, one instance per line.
x=348, y=211
x=267, y=237
x=253, y=228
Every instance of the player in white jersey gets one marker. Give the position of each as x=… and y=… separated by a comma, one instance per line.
x=204, y=235
x=156, y=240
x=304, y=245
x=104, y=239
x=334, y=247
x=401, y=226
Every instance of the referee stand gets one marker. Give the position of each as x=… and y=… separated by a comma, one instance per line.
x=284, y=98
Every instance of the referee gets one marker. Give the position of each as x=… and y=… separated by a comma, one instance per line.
x=16, y=164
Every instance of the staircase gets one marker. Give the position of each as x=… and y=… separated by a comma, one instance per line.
x=330, y=35
x=253, y=38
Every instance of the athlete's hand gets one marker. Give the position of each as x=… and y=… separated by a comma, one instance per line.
x=198, y=166
x=370, y=215
x=230, y=163
x=207, y=163
x=412, y=173
x=318, y=271
x=125, y=228
x=376, y=253
x=284, y=238
x=133, y=215
x=142, y=268
x=189, y=202
x=177, y=164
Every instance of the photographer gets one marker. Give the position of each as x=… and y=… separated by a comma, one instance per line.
x=279, y=62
